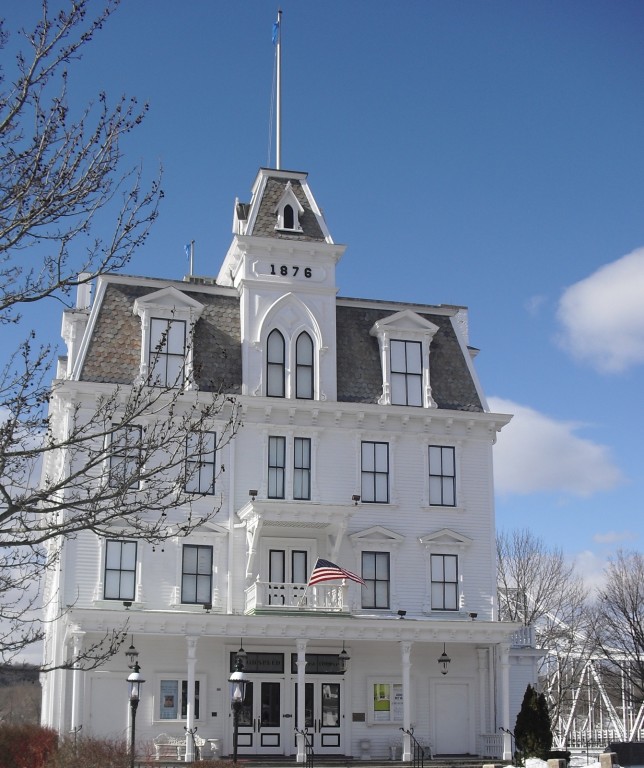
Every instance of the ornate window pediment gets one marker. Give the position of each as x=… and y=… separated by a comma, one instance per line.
x=168, y=318
x=445, y=538
x=288, y=211
x=405, y=338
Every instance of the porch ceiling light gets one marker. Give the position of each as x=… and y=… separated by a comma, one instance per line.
x=343, y=659
x=444, y=661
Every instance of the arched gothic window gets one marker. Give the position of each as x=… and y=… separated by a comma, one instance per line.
x=275, y=365
x=289, y=218
x=304, y=367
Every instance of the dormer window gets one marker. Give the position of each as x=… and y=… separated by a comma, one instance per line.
x=167, y=352
x=288, y=211
x=405, y=340
x=168, y=318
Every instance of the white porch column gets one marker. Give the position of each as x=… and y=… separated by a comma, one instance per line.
x=504, y=649
x=190, y=704
x=405, y=654
x=77, y=680
x=483, y=662
x=301, y=709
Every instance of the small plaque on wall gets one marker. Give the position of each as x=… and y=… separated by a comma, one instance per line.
x=359, y=717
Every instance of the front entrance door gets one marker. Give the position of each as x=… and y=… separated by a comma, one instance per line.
x=451, y=708
x=323, y=715
x=260, y=721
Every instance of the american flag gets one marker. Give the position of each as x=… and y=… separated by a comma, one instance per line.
x=325, y=570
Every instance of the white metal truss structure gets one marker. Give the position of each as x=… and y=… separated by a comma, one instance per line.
x=591, y=701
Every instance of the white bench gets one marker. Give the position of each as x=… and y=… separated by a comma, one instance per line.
x=168, y=747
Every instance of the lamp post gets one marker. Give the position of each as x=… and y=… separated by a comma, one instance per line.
x=238, y=680
x=136, y=681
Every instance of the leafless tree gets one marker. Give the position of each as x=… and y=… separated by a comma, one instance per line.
x=120, y=466
x=538, y=588
x=619, y=620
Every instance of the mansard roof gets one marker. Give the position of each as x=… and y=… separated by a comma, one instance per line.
x=114, y=350
x=113, y=353
x=359, y=366
x=268, y=191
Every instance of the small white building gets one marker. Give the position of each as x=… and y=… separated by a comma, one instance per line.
x=366, y=441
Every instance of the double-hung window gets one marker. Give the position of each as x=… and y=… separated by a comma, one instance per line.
x=444, y=576
x=200, y=462
x=276, y=467
x=375, y=472
x=167, y=352
x=125, y=457
x=120, y=570
x=375, y=572
x=196, y=574
x=302, y=468
x=442, y=476
x=406, y=373
x=275, y=365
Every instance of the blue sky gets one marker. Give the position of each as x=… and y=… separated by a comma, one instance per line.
x=487, y=154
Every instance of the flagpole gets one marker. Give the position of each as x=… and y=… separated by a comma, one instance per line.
x=278, y=88
x=192, y=256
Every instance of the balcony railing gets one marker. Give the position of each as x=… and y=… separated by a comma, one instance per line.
x=275, y=596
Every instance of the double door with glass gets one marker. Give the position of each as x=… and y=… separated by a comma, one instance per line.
x=268, y=717
x=261, y=720
x=323, y=718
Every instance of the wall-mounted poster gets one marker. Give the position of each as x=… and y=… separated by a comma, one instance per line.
x=169, y=700
x=385, y=698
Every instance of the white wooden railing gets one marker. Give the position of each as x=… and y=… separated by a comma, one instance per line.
x=296, y=597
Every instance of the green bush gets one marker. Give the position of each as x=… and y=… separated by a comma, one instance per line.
x=26, y=745
x=532, y=732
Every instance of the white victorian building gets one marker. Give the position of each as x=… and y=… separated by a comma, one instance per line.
x=367, y=441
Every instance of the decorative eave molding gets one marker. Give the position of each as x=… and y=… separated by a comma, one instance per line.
x=287, y=628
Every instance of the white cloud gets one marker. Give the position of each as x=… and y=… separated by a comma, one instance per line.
x=614, y=537
x=602, y=316
x=536, y=453
x=590, y=566
x=534, y=304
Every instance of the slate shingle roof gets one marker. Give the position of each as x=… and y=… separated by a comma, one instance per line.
x=359, y=369
x=114, y=352
x=115, y=349
x=266, y=217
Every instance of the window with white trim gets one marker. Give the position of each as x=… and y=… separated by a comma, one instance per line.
x=302, y=468
x=304, y=367
x=288, y=210
x=125, y=457
x=168, y=318
x=276, y=466
x=201, y=452
x=442, y=476
x=167, y=352
x=406, y=373
x=120, y=570
x=275, y=365
x=196, y=574
x=405, y=339
x=173, y=699
x=375, y=472
x=444, y=582
x=376, y=574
